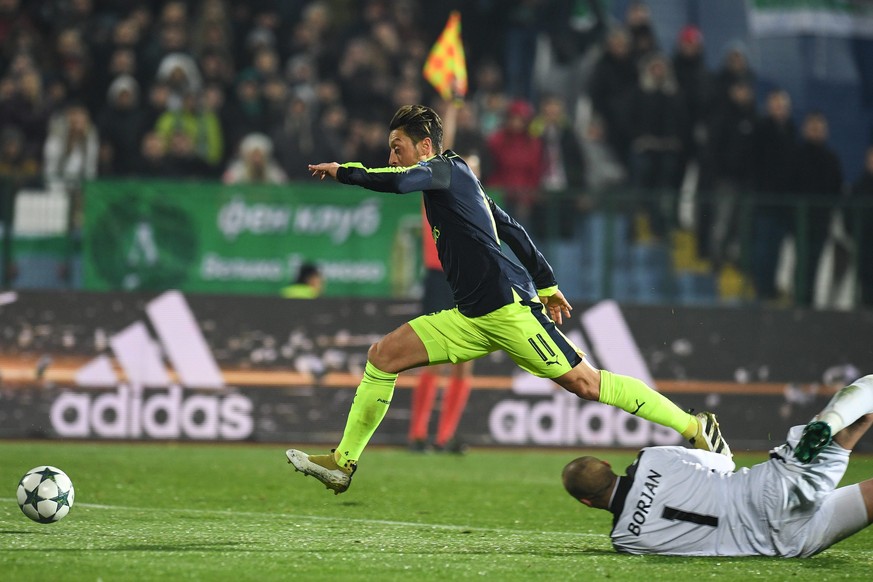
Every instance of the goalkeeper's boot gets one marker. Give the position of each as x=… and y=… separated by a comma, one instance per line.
x=324, y=468
x=816, y=436
x=708, y=435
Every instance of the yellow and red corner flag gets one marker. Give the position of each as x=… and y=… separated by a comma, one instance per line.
x=446, y=65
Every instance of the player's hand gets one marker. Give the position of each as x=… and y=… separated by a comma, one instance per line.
x=557, y=307
x=320, y=171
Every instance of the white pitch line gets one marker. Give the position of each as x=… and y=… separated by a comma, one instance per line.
x=273, y=516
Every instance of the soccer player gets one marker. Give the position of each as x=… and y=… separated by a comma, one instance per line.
x=678, y=501
x=500, y=305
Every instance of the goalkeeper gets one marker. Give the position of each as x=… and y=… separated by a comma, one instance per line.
x=677, y=501
x=500, y=305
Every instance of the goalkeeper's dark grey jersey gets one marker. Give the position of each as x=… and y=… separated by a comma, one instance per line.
x=467, y=227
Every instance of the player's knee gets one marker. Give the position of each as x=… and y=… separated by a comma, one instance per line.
x=375, y=355
x=380, y=356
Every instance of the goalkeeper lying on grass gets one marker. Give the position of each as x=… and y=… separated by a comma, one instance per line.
x=680, y=501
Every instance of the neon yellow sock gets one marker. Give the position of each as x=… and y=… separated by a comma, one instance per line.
x=632, y=395
x=371, y=402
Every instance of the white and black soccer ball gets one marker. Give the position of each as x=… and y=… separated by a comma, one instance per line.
x=45, y=494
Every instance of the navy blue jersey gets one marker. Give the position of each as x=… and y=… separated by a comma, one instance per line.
x=468, y=227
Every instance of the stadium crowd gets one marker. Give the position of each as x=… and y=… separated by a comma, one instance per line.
x=253, y=91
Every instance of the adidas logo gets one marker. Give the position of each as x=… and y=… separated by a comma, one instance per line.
x=166, y=413
x=140, y=356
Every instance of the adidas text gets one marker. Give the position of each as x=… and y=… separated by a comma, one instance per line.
x=566, y=420
x=128, y=413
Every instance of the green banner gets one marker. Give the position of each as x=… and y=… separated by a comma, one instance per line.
x=213, y=238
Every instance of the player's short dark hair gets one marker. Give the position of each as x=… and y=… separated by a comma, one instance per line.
x=419, y=122
x=306, y=272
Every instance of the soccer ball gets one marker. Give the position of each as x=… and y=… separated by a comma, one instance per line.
x=45, y=494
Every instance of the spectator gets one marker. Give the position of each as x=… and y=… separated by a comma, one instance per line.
x=295, y=139
x=327, y=94
x=158, y=103
x=613, y=81
x=519, y=164
x=18, y=167
x=404, y=93
x=178, y=71
x=367, y=138
x=212, y=33
x=470, y=144
x=30, y=109
x=182, y=159
x=71, y=149
x=862, y=192
x=213, y=100
x=169, y=40
x=199, y=123
x=489, y=98
x=773, y=145
x=657, y=124
x=152, y=158
x=731, y=149
x=332, y=142
x=265, y=63
x=563, y=178
x=276, y=98
x=122, y=61
x=74, y=68
x=255, y=164
x=122, y=125
x=603, y=171
x=245, y=109
x=638, y=20
x=216, y=67
x=120, y=56
x=818, y=180
x=301, y=77
x=12, y=18
x=79, y=14
x=695, y=84
x=360, y=72
x=735, y=68
x=127, y=34
x=521, y=32
x=24, y=40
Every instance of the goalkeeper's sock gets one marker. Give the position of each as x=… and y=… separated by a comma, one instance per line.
x=423, y=396
x=632, y=395
x=372, y=399
x=849, y=404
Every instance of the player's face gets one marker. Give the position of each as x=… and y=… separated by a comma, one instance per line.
x=403, y=152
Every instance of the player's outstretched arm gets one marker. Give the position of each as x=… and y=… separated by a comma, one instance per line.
x=320, y=171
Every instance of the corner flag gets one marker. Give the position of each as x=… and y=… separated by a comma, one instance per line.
x=446, y=65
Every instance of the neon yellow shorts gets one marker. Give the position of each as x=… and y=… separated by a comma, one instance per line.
x=521, y=329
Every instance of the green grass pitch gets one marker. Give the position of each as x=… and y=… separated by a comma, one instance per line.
x=240, y=512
